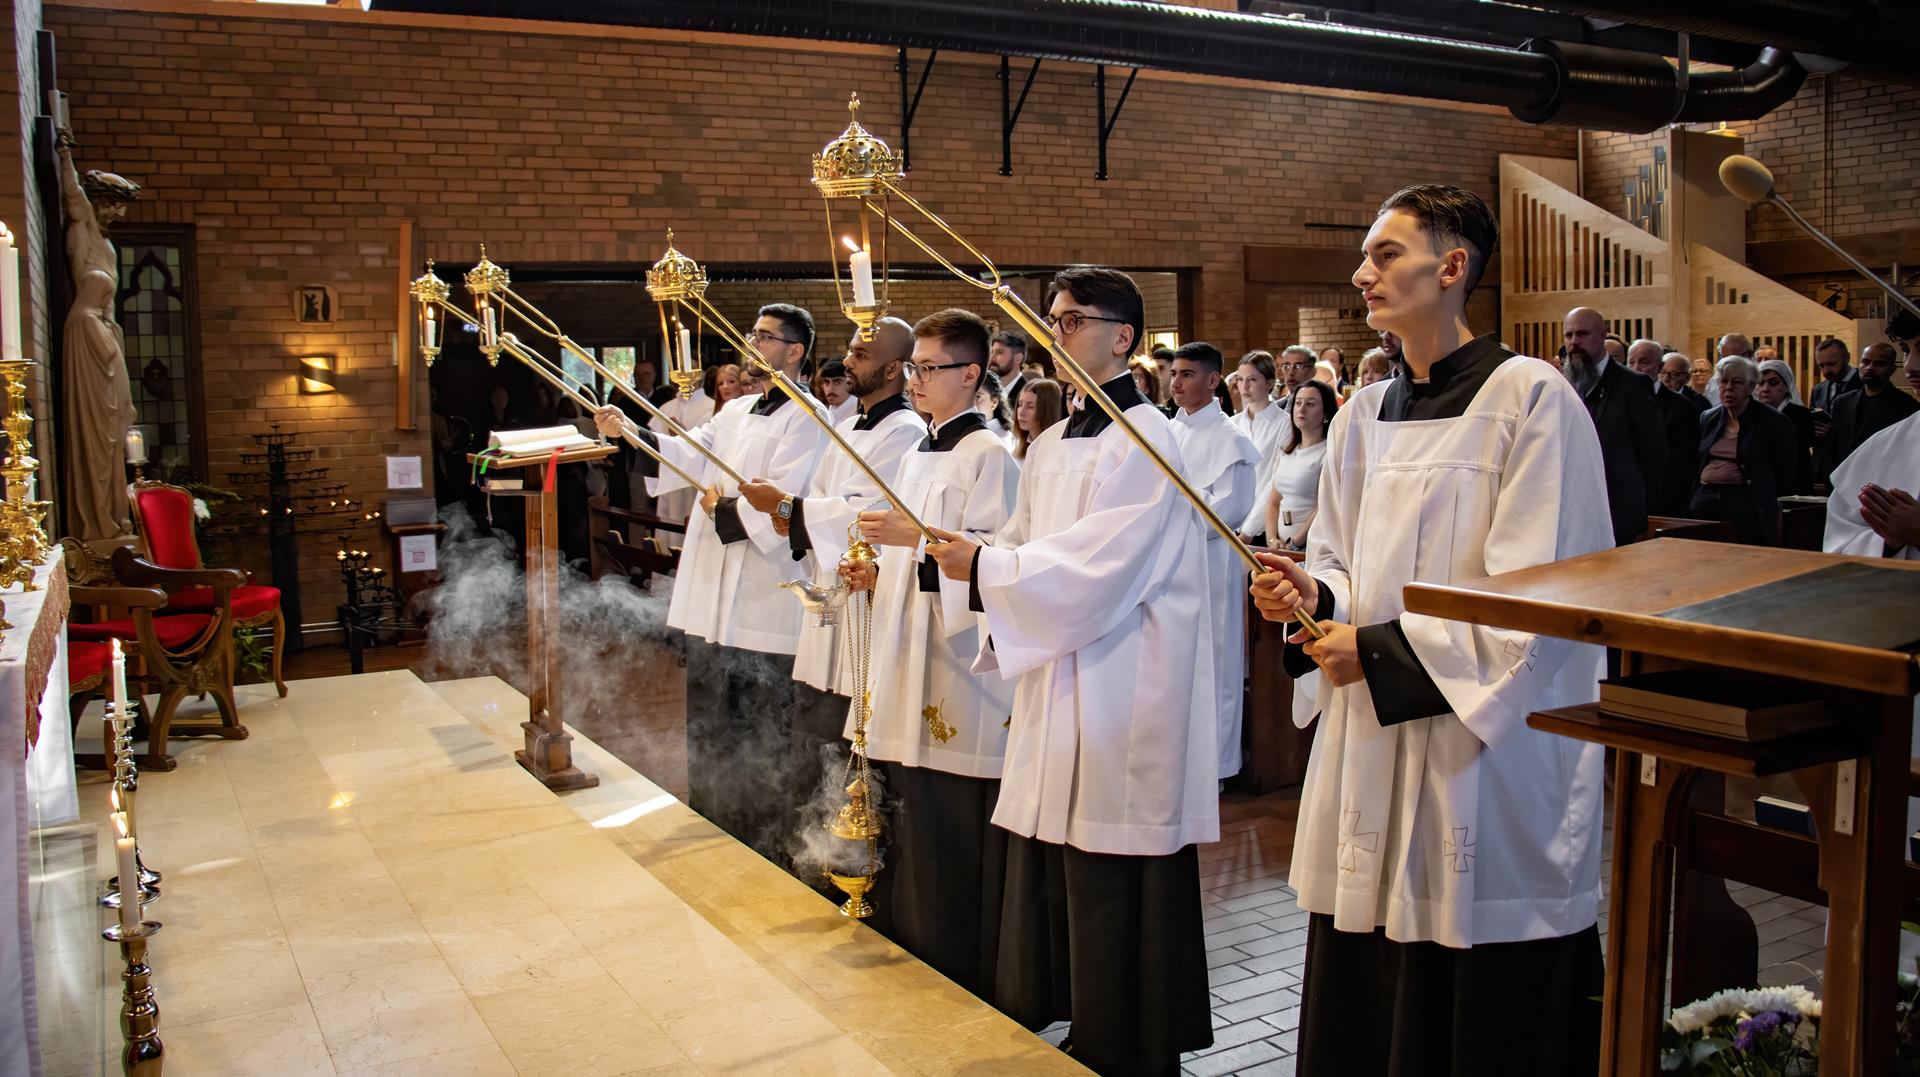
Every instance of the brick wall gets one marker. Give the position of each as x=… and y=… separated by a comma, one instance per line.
x=1608, y=160
x=1338, y=327
x=296, y=142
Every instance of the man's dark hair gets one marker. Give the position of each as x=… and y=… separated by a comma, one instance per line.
x=1836, y=342
x=1108, y=291
x=833, y=368
x=1902, y=326
x=1013, y=341
x=1199, y=351
x=1451, y=217
x=796, y=321
x=1162, y=354
x=964, y=333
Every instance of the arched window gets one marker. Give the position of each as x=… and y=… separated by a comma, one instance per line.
x=157, y=313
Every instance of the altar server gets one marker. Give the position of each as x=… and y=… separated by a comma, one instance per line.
x=815, y=527
x=938, y=728
x=1446, y=851
x=1220, y=465
x=1093, y=607
x=740, y=627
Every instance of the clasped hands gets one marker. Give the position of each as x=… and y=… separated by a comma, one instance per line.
x=1285, y=588
x=1893, y=514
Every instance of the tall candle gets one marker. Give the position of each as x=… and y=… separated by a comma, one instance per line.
x=9, y=297
x=686, y=348
x=119, y=687
x=129, y=874
x=861, y=264
x=488, y=336
x=433, y=337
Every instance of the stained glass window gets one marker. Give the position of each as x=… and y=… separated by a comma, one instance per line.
x=155, y=315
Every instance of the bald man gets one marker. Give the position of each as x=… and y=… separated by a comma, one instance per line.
x=1859, y=415
x=1680, y=422
x=1632, y=428
x=1676, y=375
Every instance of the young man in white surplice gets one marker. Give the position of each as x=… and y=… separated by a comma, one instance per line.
x=1445, y=849
x=882, y=428
x=938, y=730
x=740, y=627
x=1095, y=608
x=1220, y=464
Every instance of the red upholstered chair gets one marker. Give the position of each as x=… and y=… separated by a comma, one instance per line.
x=172, y=653
x=163, y=515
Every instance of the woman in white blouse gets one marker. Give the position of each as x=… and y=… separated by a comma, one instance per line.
x=1295, y=486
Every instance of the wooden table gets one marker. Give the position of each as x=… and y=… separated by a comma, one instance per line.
x=1854, y=774
x=548, y=754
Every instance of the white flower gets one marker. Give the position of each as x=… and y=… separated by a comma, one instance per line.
x=1735, y=1003
x=200, y=510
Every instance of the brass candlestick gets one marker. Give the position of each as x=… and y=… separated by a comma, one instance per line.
x=858, y=166
x=22, y=517
x=144, y=1054
x=126, y=782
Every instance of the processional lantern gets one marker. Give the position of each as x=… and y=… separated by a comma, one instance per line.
x=858, y=167
x=673, y=279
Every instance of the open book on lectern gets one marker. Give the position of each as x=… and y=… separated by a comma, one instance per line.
x=539, y=441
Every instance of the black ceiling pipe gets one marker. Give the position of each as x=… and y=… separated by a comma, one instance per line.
x=1873, y=36
x=1746, y=93
x=1563, y=84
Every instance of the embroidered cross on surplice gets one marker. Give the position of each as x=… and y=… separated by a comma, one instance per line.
x=1457, y=845
x=1354, y=841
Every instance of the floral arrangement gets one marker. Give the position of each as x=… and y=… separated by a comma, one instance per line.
x=1751, y=1032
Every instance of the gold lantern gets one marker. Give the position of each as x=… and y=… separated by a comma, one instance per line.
x=431, y=293
x=859, y=166
x=674, y=277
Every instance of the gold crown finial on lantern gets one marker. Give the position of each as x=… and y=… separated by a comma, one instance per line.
x=856, y=162
x=676, y=276
x=486, y=278
x=428, y=287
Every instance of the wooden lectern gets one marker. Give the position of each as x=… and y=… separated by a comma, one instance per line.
x=549, y=751
x=1820, y=619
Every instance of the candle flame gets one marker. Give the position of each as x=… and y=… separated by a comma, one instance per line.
x=851, y=245
x=120, y=824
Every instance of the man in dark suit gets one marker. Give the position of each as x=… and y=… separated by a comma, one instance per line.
x=1859, y=415
x=1676, y=376
x=1681, y=424
x=1630, y=423
x=1837, y=376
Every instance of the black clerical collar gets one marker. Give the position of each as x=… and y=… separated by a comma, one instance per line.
x=949, y=434
x=1450, y=384
x=870, y=417
x=770, y=401
x=1091, y=419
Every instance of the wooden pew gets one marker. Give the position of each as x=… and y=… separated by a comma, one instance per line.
x=608, y=529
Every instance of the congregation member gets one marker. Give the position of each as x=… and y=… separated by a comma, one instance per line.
x=1679, y=424
x=1097, y=609
x=1265, y=423
x=829, y=386
x=993, y=405
x=740, y=627
x=1041, y=405
x=1746, y=454
x=938, y=730
x=1295, y=364
x=1838, y=377
x=1007, y=360
x=1625, y=415
x=1374, y=366
x=1220, y=463
x=1446, y=851
x=1292, y=493
x=1866, y=411
x=1777, y=390
x=1676, y=373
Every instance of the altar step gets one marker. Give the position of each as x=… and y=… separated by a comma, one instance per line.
x=370, y=885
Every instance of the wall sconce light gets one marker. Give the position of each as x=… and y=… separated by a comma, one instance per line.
x=316, y=374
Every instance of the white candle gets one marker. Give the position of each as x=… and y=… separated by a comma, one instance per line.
x=861, y=264
x=432, y=336
x=129, y=874
x=9, y=297
x=136, y=446
x=119, y=688
x=488, y=336
x=686, y=348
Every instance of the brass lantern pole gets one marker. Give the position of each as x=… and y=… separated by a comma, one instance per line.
x=688, y=288
x=859, y=166
x=492, y=288
x=434, y=297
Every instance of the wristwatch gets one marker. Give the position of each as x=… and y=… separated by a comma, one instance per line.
x=785, y=509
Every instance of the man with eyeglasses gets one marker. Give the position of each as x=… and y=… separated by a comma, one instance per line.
x=1296, y=369
x=1095, y=610
x=883, y=430
x=741, y=628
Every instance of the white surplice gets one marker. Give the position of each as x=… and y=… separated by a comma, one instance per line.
x=1268, y=431
x=1470, y=827
x=1889, y=459
x=694, y=411
x=1220, y=464
x=839, y=493
x=844, y=410
x=930, y=639
x=1094, y=609
x=729, y=594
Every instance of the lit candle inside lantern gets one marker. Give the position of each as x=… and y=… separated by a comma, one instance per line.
x=489, y=334
x=136, y=446
x=123, y=851
x=119, y=686
x=686, y=348
x=861, y=265
x=9, y=297
x=433, y=336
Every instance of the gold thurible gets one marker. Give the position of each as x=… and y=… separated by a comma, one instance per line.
x=859, y=819
x=857, y=165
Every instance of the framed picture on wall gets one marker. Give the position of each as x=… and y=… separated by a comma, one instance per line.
x=313, y=304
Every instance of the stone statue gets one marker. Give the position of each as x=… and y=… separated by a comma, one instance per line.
x=98, y=407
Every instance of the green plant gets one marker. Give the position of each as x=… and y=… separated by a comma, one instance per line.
x=254, y=651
